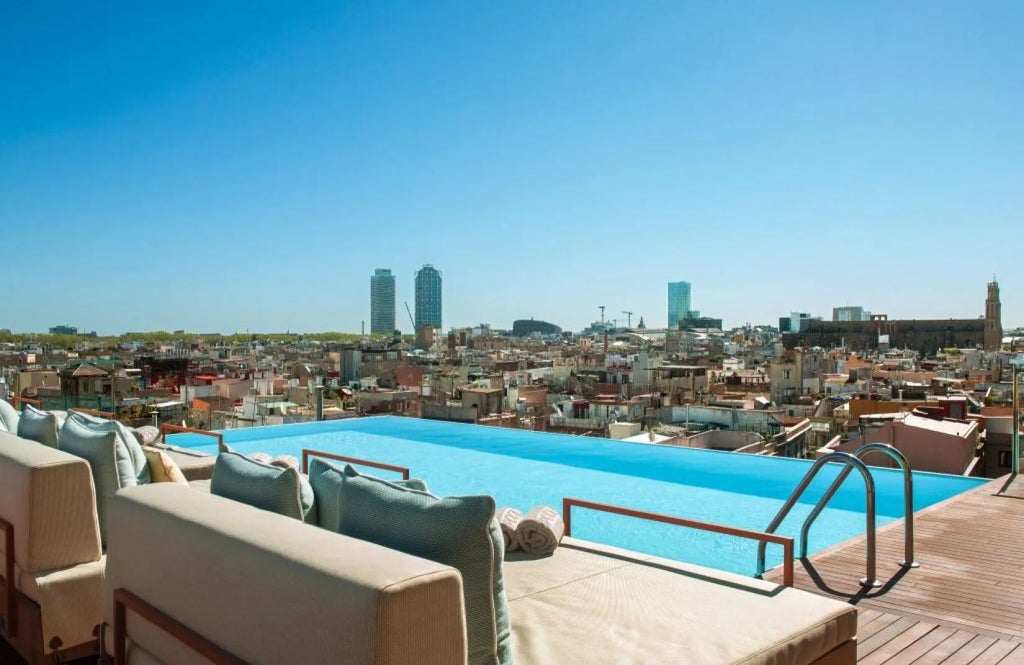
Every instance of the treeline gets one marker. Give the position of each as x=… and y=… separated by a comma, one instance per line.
x=164, y=337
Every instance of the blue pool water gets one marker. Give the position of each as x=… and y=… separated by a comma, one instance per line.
x=524, y=469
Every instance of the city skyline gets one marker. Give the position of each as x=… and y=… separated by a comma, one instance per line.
x=529, y=152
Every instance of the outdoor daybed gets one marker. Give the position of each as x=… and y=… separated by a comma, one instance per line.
x=266, y=588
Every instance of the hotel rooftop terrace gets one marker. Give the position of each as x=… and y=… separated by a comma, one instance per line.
x=964, y=604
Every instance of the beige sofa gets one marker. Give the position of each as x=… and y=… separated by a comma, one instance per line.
x=47, y=498
x=270, y=589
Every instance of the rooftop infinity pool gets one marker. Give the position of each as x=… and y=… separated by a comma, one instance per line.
x=524, y=469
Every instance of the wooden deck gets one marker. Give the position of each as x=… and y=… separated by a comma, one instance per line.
x=965, y=604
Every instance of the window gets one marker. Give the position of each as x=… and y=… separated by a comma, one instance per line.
x=785, y=374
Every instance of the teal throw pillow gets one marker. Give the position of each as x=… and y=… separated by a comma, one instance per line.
x=457, y=531
x=279, y=490
x=326, y=480
x=109, y=462
x=131, y=450
x=38, y=426
x=8, y=417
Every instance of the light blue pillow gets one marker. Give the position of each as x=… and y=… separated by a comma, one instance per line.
x=457, y=531
x=38, y=426
x=280, y=490
x=108, y=460
x=326, y=480
x=8, y=417
x=127, y=440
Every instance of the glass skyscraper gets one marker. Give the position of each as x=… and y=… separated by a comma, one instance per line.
x=382, y=302
x=678, y=302
x=428, y=297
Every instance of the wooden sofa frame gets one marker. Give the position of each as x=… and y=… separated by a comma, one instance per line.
x=23, y=618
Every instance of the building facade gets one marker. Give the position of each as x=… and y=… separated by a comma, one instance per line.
x=678, y=303
x=849, y=313
x=993, y=318
x=796, y=322
x=428, y=297
x=382, y=302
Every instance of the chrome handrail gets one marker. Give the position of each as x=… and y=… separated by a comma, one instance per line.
x=908, y=500
x=850, y=462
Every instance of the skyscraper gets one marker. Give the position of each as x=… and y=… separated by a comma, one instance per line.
x=382, y=302
x=678, y=302
x=428, y=297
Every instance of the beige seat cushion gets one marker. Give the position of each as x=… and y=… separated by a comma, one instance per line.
x=595, y=604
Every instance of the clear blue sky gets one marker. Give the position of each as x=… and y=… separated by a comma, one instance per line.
x=223, y=166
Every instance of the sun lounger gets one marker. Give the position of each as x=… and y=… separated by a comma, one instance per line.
x=586, y=603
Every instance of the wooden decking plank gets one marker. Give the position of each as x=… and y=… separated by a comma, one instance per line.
x=968, y=652
x=882, y=637
x=925, y=644
x=864, y=631
x=939, y=653
x=898, y=644
x=995, y=653
x=1015, y=657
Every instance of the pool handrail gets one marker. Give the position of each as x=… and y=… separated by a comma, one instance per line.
x=309, y=452
x=17, y=399
x=762, y=537
x=908, y=499
x=177, y=429
x=848, y=460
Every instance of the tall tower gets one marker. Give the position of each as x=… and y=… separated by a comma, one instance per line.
x=428, y=297
x=678, y=303
x=993, y=318
x=382, y=302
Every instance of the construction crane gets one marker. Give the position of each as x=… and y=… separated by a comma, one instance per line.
x=601, y=307
x=629, y=319
x=409, y=311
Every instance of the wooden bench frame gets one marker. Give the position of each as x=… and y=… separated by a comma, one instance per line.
x=785, y=541
x=125, y=600
x=309, y=452
x=177, y=429
x=23, y=618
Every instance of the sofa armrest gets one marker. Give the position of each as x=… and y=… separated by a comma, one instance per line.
x=222, y=568
x=49, y=498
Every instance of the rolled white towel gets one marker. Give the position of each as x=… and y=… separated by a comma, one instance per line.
x=509, y=519
x=286, y=461
x=540, y=531
x=261, y=457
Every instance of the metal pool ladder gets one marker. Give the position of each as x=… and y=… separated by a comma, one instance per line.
x=851, y=462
